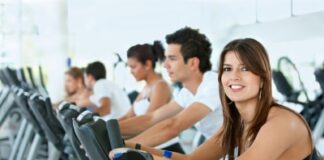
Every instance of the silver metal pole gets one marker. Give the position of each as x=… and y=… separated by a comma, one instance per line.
x=16, y=144
x=25, y=141
x=34, y=147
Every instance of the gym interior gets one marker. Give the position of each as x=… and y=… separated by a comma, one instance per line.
x=99, y=80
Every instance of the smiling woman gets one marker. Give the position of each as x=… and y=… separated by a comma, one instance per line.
x=255, y=126
x=238, y=81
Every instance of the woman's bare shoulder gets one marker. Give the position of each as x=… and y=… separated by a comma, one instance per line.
x=288, y=121
x=161, y=85
x=284, y=134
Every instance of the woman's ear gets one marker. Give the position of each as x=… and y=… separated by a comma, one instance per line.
x=148, y=64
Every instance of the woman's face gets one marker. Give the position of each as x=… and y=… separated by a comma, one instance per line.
x=238, y=82
x=137, y=69
x=70, y=84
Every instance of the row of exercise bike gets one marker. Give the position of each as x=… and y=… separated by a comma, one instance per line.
x=48, y=134
x=45, y=133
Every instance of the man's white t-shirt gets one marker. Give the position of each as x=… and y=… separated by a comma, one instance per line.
x=207, y=94
x=119, y=100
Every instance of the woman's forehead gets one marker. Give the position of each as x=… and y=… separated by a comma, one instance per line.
x=232, y=57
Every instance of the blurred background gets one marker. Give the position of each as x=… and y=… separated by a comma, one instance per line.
x=58, y=33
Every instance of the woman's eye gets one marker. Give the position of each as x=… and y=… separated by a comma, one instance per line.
x=226, y=69
x=245, y=69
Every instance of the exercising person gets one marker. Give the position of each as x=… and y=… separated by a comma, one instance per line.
x=142, y=59
x=75, y=89
x=255, y=126
x=187, y=61
x=108, y=100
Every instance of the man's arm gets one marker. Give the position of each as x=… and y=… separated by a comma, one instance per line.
x=170, y=128
x=105, y=106
x=209, y=150
x=133, y=126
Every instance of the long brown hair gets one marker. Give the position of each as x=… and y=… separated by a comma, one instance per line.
x=254, y=56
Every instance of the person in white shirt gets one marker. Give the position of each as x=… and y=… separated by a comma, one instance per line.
x=142, y=59
x=187, y=61
x=255, y=126
x=108, y=100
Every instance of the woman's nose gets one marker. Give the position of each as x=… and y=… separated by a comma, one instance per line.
x=235, y=75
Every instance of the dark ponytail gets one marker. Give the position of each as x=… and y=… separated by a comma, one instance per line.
x=158, y=51
x=144, y=52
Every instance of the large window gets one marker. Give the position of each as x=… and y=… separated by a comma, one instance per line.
x=9, y=32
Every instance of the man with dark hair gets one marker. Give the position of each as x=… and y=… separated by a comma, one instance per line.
x=108, y=99
x=187, y=61
x=97, y=70
x=193, y=44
